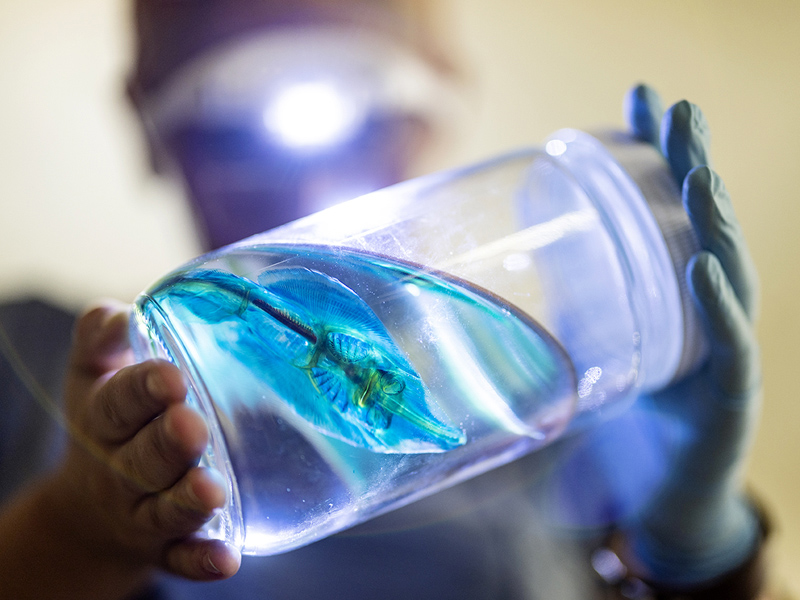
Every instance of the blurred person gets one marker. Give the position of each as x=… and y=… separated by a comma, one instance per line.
x=124, y=500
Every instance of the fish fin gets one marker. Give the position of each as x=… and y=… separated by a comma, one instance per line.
x=318, y=298
x=331, y=386
x=347, y=347
x=378, y=418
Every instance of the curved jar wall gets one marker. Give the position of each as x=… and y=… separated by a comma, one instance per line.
x=376, y=352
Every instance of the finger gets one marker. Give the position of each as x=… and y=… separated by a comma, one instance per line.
x=710, y=210
x=643, y=113
x=186, y=506
x=203, y=560
x=685, y=139
x=734, y=361
x=131, y=398
x=164, y=450
x=100, y=340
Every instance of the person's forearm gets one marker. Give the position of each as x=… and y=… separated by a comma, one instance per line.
x=43, y=555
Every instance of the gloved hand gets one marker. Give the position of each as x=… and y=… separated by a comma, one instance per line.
x=667, y=473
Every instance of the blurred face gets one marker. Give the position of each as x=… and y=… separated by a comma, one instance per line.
x=268, y=124
x=241, y=182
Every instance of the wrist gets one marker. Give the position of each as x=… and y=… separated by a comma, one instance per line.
x=707, y=538
x=45, y=553
x=622, y=569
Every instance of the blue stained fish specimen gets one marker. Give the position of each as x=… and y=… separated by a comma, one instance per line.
x=343, y=372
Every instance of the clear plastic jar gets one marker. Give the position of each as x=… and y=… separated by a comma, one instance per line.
x=376, y=352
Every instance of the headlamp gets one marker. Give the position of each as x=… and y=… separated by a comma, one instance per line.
x=313, y=114
x=307, y=89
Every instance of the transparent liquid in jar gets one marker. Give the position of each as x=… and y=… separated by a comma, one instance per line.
x=339, y=384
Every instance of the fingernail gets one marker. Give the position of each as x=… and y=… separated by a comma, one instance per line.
x=110, y=320
x=156, y=386
x=210, y=566
x=194, y=499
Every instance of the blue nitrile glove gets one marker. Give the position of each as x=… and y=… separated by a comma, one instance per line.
x=699, y=525
x=667, y=473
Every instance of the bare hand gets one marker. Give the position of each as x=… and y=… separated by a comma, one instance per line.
x=130, y=486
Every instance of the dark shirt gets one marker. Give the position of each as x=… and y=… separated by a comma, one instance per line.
x=34, y=344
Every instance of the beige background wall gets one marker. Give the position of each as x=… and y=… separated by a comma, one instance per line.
x=81, y=218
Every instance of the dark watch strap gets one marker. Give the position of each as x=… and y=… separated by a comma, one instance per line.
x=746, y=582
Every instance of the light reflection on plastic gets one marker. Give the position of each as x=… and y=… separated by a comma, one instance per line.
x=259, y=541
x=412, y=289
x=474, y=379
x=555, y=147
x=516, y=262
x=312, y=114
x=534, y=237
x=359, y=217
x=588, y=380
x=341, y=195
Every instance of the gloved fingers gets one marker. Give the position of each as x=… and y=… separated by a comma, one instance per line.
x=685, y=139
x=734, y=361
x=710, y=210
x=643, y=112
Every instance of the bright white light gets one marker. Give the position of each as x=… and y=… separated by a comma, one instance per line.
x=555, y=147
x=311, y=114
x=260, y=541
x=412, y=289
x=517, y=262
x=588, y=380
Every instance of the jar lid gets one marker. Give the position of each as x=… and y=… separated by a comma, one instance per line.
x=648, y=169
